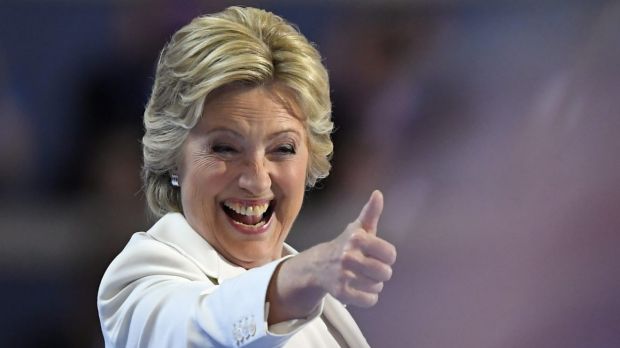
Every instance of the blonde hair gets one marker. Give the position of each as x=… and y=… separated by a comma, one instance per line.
x=238, y=45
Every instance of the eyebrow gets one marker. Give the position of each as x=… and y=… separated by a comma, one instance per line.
x=284, y=131
x=224, y=130
x=239, y=135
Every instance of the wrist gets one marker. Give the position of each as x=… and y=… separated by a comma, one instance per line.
x=294, y=291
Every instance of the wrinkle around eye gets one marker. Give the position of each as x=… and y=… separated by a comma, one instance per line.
x=200, y=159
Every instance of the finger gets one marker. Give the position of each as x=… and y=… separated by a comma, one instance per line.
x=359, y=298
x=365, y=284
x=379, y=249
x=367, y=267
x=369, y=217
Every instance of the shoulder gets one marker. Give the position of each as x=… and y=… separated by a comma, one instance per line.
x=170, y=249
x=145, y=254
x=145, y=257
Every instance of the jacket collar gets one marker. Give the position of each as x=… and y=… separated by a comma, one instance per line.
x=174, y=230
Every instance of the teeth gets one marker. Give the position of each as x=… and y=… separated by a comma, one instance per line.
x=251, y=210
x=258, y=225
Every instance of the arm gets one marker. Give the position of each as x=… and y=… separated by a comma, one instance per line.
x=352, y=268
x=152, y=296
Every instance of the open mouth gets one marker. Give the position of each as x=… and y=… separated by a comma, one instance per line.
x=254, y=215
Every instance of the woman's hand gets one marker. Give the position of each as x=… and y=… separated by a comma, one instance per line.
x=357, y=263
x=352, y=268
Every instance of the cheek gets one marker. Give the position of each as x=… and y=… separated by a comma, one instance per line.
x=304, y=167
x=297, y=171
x=197, y=173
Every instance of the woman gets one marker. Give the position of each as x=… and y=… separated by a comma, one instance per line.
x=237, y=126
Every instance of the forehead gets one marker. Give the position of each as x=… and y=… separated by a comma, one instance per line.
x=246, y=107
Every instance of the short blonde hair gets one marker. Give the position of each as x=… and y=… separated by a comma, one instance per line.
x=237, y=45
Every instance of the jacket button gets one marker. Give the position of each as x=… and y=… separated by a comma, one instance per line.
x=246, y=327
x=252, y=328
x=238, y=333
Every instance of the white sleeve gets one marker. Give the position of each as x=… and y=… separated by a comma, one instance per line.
x=151, y=296
x=289, y=327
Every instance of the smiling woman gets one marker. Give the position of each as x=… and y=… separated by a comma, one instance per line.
x=243, y=173
x=237, y=126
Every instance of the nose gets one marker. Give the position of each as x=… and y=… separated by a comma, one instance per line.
x=255, y=177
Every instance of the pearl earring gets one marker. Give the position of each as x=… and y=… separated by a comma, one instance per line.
x=174, y=180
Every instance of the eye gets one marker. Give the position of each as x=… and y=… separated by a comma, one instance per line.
x=223, y=149
x=285, y=149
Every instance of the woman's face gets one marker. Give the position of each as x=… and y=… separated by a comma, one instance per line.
x=242, y=173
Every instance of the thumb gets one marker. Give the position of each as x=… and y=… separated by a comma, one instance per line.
x=369, y=217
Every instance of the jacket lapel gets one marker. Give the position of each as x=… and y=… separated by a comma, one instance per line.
x=338, y=317
x=174, y=230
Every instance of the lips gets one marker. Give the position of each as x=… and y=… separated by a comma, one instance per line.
x=249, y=216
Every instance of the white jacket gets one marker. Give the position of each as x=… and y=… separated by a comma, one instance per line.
x=170, y=288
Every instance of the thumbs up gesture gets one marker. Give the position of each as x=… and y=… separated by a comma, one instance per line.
x=352, y=268
x=359, y=262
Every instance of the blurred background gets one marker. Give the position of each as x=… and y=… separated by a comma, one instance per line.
x=492, y=127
